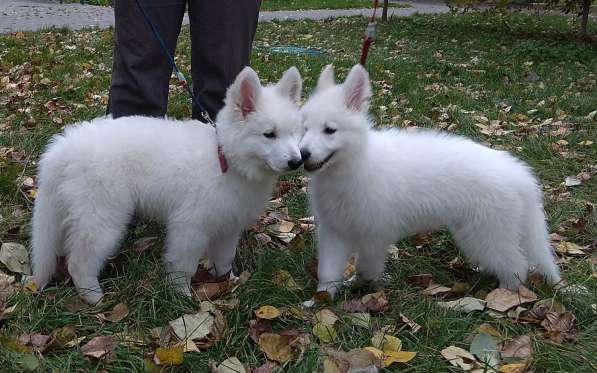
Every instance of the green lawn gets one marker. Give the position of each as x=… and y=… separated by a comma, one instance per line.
x=526, y=75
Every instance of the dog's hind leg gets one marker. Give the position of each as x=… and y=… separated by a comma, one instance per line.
x=88, y=251
x=185, y=245
x=495, y=248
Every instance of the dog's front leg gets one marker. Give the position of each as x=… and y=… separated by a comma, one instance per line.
x=185, y=246
x=221, y=252
x=332, y=251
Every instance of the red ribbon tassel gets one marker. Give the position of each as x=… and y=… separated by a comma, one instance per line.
x=222, y=159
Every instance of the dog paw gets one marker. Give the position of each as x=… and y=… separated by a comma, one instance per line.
x=308, y=303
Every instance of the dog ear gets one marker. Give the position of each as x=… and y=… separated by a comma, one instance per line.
x=357, y=89
x=326, y=79
x=244, y=93
x=291, y=84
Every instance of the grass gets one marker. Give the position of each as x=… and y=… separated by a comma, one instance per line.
x=423, y=68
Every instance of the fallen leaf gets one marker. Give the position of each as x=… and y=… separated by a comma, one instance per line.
x=591, y=115
x=326, y=333
x=489, y=329
x=142, y=244
x=101, y=347
x=118, y=313
x=459, y=357
x=388, y=358
x=258, y=327
x=435, y=289
x=230, y=365
x=64, y=336
x=267, y=367
x=326, y=317
x=572, y=181
x=423, y=279
x=375, y=302
x=503, y=299
x=513, y=368
x=267, y=312
x=169, y=355
x=361, y=319
x=560, y=326
x=275, y=347
x=519, y=347
x=15, y=257
x=211, y=290
x=484, y=347
x=466, y=304
x=283, y=279
x=193, y=327
x=569, y=248
x=386, y=342
x=414, y=327
x=37, y=341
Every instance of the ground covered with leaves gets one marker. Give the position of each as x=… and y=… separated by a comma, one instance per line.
x=513, y=82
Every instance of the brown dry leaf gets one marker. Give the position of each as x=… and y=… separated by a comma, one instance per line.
x=267, y=367
x=258, y=327
x=423, y=279
x=169, y=355
x=211, y=290
x=118, y=313
x=357, y=360
x=435, y=289
x=142, y=244
x=101, y=347
x=459, y=357
x=560, y=327
x=276, y=347
x=326, y=333
x=375, y=302
x=267, y=312
x=37, y=341
x=502, y=300
x=414, y=327
x=332, y=365
x=519, y=347
x=283, y=279
x=65, y=337
x=489, y=329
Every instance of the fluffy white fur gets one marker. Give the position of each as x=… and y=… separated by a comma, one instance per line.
x=372, y=188
x=96, y=175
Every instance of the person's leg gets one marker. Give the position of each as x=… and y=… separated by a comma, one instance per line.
x=221, y=36
x=141, y=71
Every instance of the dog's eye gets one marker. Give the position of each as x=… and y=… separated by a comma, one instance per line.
x=270, y=135
x=329, y=131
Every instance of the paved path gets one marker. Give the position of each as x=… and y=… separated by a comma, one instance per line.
x=31, y=15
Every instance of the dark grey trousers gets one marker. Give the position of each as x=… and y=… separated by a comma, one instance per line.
x=221, y=36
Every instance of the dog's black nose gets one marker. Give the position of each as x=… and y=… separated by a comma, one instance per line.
x=305, y=154
x=295, y=163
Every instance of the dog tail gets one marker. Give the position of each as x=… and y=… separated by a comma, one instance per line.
x=47, y=234
x=536, y=241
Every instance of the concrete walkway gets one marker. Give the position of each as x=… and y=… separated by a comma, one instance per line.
x=32, y=15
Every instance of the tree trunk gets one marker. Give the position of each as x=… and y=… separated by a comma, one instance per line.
x=586, y=6
x=384, y=13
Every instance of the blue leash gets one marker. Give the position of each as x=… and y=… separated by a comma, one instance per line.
x=179, y=75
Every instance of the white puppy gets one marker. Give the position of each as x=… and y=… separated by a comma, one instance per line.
x=96, y=175
x=371, y=188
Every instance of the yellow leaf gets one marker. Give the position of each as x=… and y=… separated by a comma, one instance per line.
x=326, y=317
x=390, y=357
x=282, y=278
x=326, y=333
x=513, y=368
x=267, y=312
x=31, y=286
x=169, y=356
x=386, y=342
